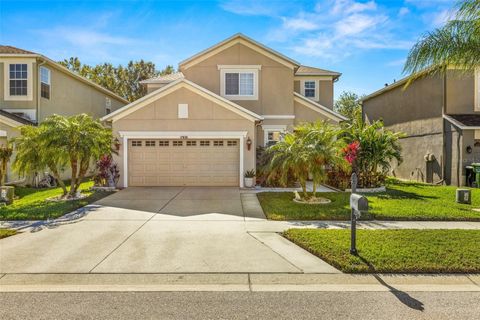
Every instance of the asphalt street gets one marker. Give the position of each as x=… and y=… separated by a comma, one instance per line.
x=241, y=305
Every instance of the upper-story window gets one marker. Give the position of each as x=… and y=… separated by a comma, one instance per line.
x=45, y=82
x=18, y=82
x=310, y=88
x=108, y=105
x=18, y=79
x=239, y=82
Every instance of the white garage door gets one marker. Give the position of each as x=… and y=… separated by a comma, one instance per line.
x=156, y=162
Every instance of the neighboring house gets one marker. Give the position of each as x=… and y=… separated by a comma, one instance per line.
x=202, y=125
x=33, y=87
x=441, y=116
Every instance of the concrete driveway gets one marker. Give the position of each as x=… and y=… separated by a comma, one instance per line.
x=159, y=230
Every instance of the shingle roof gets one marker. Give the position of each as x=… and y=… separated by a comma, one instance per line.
x=165, y=78
x=15, y=117
x=468, y=120
x=312, y=71
x=13, y=50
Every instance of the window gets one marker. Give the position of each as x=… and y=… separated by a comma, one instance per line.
x=18, y=79
x=191, y=143
x=273, y=137
x=239, y=82
x=177, y=143
x=204, y=143
x=232, y=143
x=273, y=134
x=150, y=143
x=310, y=89
x=136, y=143
x=108, y=105
x=163, y=143
x=45, y=82
x=218, y=143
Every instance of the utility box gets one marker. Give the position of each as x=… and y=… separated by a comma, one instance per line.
x=7, y=194
x=464, y=196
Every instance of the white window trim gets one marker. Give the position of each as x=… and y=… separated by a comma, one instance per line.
x=239, y=69
x=316, y=98
x=269, y=128
x=126, y=135
x=477, y=89
x=6, y=77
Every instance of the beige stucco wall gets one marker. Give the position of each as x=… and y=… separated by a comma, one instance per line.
x=204, y=115
x=275, y=79
x=305, y=114
x=460, y=92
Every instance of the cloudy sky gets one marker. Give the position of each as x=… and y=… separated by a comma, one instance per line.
x=367, y=41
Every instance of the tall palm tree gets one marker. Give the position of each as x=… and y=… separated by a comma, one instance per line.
x=5, y=155
x=457, y=43
x=322, y=148
x=81, y=139
x=32, y=156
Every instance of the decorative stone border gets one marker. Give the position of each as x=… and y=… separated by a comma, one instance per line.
x=369, y=190
x=319, y=201
x=106, y=189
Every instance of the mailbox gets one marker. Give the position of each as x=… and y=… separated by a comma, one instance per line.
x=358, y=203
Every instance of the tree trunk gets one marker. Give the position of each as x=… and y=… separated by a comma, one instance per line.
x=3, y=173
x=304, y=189
x=73, y=182
x=314, y=188
x=56, y=175
x=81, y=174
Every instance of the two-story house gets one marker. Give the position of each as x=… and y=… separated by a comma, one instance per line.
x=202, y=125
x=33, y=87
x=440, y=114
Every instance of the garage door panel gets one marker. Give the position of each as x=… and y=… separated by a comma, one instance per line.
x=187, y=163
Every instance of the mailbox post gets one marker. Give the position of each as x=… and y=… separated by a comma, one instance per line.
x=358, y=204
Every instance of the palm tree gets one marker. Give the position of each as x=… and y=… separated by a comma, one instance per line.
x=80, y=139
x=32, y=156
x=322, y=148
x=289, y=159
x=455, y=44
x=5, y=154
x=378, y=148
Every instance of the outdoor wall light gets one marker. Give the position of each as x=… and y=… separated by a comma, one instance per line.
x=249, y=143
x=116, y=143
x=469, y=149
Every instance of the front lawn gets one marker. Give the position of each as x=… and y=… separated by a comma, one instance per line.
x=31, y=204
x=400, y=251
x=401, y=201
x=6, y=233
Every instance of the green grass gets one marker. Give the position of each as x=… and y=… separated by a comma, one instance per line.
x=6, y=233
x=32, y=205
x=398, y=251
x=402, y=201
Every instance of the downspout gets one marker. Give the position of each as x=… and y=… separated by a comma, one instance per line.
x=39, y=84
x=444, y=144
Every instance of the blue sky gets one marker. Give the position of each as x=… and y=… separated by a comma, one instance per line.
x=365, y=40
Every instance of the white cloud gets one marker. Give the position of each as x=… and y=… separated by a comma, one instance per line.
x=350, y=6
x=299, y=24
x=403, y=11
x=439, y=18
x=357, y=23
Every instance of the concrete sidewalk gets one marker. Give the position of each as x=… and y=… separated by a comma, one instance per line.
x=237, y=282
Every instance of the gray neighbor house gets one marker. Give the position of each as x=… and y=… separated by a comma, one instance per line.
x=440, y=115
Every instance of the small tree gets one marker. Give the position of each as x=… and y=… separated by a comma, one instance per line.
x=80, y=139
x=32, y=156
x=5, y=155
x=348, y=104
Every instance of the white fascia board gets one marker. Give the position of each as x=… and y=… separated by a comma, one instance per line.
x=179, y=134
x=278, y=116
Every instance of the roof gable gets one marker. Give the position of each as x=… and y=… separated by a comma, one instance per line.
x=235, y=39
x=181, y=83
